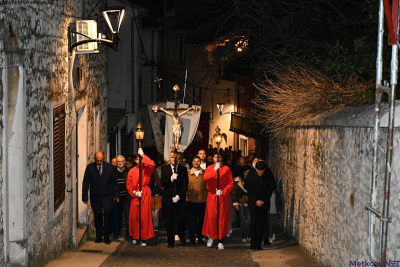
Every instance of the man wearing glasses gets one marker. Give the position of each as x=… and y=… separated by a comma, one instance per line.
x=123, y=206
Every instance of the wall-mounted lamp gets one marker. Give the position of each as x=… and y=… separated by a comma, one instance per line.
x=220, y=107
x=113, y=17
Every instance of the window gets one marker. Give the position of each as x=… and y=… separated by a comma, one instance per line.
x=59, y=155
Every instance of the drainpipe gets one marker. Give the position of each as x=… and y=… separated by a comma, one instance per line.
x=72, y=114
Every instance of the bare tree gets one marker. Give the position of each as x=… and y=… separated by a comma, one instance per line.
x=297, y=94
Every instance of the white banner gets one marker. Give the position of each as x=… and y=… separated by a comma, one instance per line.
x=189, y=123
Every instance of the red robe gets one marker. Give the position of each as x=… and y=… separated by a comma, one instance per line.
x=226, y=185
x=132, y=183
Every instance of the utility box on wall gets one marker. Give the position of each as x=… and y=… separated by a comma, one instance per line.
x=88, y=28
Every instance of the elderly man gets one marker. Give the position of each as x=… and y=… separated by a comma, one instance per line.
x=123, y=206
x=100, y=178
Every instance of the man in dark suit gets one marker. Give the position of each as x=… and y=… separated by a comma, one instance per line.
x=101, y=179
x=174, y=179
x=259, y=185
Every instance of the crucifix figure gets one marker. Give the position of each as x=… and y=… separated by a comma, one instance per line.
x=177, y=125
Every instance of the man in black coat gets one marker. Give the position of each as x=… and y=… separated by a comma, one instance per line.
x=101, y=179
x=259, y=185
x=174, y=180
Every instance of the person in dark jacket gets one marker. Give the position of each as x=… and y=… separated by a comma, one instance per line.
x=123, y=206
x=259, y=185
x=240, y=202
x=100, y=178
x=174, y=180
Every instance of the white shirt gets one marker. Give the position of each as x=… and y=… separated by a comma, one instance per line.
x=173, y=169
x=203, y=165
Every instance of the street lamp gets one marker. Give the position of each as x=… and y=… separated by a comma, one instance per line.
x=110, y=15
x=139, y=137
x=220, y=107
x=217, y=139
x=117, y=12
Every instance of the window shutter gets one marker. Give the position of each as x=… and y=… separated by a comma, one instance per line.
x=59, y=155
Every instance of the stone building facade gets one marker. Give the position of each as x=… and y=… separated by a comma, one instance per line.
x=323, y=169
x=34, y=71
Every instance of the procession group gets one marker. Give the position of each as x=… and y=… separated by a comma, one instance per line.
x=200, y=194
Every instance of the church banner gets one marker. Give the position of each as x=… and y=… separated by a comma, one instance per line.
x=162, y=127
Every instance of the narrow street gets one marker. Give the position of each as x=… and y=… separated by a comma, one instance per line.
x=284, y=252
x=157, y=254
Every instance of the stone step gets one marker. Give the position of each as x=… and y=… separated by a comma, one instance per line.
x=81, y=234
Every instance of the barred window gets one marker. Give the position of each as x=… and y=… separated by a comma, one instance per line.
x=59, y=155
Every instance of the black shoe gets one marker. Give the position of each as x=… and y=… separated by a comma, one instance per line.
x=170, y=245
x=115, y=237
x=200, y=242
x=267, y=243
x=253, y=248
x=128, y=238
x=183, y=242
x=98, y=240
x=259, y=248
x=192, y=242
x=107, y=240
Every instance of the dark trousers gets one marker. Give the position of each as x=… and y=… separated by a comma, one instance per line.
x=103, y=226
x=119, y=208
x=244, y=217
x=257, y=225
x=195, y=219
x=175, y=212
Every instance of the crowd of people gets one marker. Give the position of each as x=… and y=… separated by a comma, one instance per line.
x=204, y=194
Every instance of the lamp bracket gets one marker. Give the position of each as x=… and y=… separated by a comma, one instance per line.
x=112, y=43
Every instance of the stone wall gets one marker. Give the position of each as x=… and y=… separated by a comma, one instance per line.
x=324, y=169
x=40, y=30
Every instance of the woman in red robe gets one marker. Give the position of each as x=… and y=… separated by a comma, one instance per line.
x=225, y=188
x=132, y=185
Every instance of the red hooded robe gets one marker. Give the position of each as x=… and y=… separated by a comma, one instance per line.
x=132, y=184
x=226, y=185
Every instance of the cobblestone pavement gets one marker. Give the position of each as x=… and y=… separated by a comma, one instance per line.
x=156, y=253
